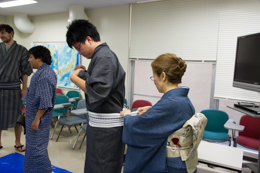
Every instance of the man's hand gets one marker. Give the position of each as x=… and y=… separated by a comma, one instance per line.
x=80, y=67
x=35, y=124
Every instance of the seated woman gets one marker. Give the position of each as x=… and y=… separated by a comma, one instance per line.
x=146, y=135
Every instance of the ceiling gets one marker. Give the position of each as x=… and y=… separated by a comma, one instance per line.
x=57, y=6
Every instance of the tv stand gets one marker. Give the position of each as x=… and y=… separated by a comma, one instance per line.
x=246, y=104
x=254, y=167
x=251, y=108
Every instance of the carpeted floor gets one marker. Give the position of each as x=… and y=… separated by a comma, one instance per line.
x=13, y=163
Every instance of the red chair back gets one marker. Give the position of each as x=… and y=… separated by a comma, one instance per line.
x=250, y=136
x=141, y=103
x=23, y=110
x=58, y=91
x=252, y=126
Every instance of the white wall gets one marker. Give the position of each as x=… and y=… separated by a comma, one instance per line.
x=112, y=24
x=2, y=19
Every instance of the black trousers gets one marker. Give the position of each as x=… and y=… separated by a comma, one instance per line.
x=105, y=150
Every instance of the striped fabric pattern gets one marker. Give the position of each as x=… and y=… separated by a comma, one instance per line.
x=41, y=95
x=13, y=65
x=105, y=120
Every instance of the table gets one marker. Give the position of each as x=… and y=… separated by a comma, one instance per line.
x=58, y=106
x=253, y=167
x=244, y=111
x=220, y=155
x=79, y=111
x=73, y=99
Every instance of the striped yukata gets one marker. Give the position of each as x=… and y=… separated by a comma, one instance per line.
x=41, y=95
x=13, y=65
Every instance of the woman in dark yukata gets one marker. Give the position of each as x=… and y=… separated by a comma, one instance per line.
x=40, y=100
x=146, y=134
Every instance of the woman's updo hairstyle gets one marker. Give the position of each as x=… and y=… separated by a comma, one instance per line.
x=173, y=66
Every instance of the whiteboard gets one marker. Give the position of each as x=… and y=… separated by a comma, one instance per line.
x=198, y=77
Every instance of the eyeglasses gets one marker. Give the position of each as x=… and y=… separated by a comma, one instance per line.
x=78, y=47
x=152, y=78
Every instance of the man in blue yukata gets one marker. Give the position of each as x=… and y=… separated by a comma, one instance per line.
x=40, y=100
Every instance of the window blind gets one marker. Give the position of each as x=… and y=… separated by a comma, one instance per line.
x=185, y=27
x=237, y=18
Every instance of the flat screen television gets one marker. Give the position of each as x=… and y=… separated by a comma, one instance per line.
x=247, y=64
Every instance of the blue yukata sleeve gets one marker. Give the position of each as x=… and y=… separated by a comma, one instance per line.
x=43, y=95
x=153, y=126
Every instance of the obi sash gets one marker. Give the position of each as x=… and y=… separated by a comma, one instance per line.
x=10, y=86
x=185, y=141
x=105, y=120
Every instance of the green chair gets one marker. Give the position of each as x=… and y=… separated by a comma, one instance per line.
x=73, y=94
x=215, y=130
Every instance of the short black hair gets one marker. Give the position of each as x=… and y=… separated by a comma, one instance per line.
x=7, y=28
x=79, y=29
x=41, y=52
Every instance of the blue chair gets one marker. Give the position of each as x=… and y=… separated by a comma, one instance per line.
x=72, y=94
x=57, y=113
x=215, y=130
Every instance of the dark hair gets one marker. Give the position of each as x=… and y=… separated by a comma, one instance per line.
x=41, y=52
x=79, y=29
x=173, y=66
x=7, y=28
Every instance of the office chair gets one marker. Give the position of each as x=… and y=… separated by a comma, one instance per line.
x=72, y=94
x=84, y=127
x=74, y=120
x=249, y=137
x=140, y=103
x=57, y=113
x=58, y=91
x=215, y=131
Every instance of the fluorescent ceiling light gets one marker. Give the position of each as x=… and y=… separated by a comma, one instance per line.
x=16, y=3
x=147, y=1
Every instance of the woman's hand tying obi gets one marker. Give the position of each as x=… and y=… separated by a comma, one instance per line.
x=125, y=112
x=144, y=109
